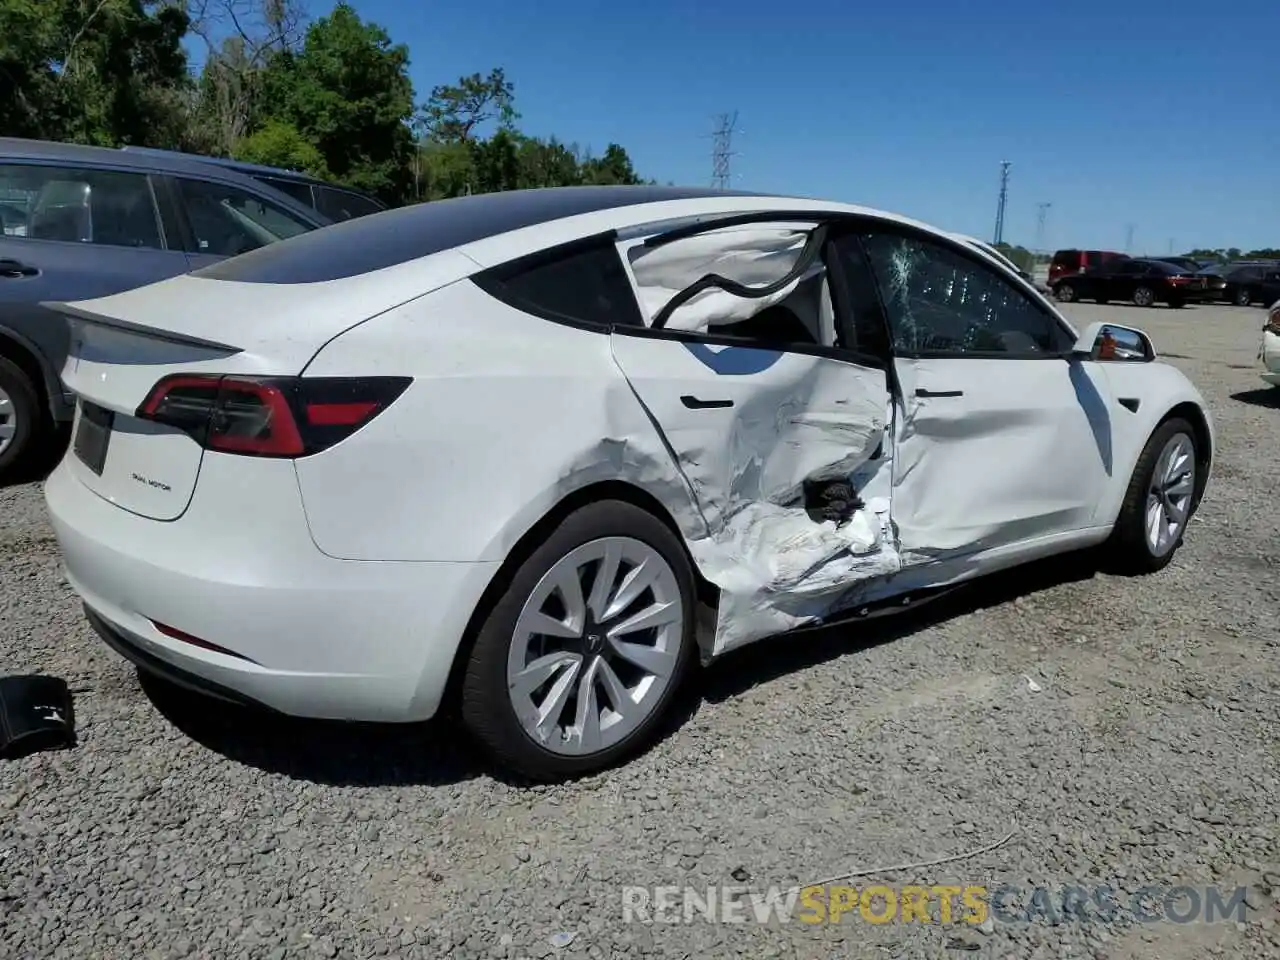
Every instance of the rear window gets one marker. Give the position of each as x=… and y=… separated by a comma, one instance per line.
x=292, y=188
x=340, y=205
x=1066, y=256
x=580, y=285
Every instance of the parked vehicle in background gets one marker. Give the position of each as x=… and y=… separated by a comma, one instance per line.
x=1066, y=263
x=1189, y=264
x=335, y=202
x=89, y=222
x=291, y=481
x=1145, y=282
x=1245, y=282
x=1269, y=352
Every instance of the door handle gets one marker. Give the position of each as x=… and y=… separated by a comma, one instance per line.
x=693, y=403
x=921, y=392
x=13, y=270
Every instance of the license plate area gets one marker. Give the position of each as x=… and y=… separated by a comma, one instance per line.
x=93, y=436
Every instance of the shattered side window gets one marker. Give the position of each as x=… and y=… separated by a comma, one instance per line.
x=940, y=301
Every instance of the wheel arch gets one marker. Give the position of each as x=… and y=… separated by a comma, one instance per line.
x=24, y=354
x=1194, y=414
x=528, y=541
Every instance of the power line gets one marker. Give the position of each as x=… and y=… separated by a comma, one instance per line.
x=1042, y=214
x=722, y=150
x=1004, y=196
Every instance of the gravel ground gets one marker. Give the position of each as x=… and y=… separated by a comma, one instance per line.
x=1145, y=752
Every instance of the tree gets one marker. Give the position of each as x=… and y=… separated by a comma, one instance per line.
x=453, y=112
x=347, y=92
x=240, y=38
x=613, y=168
x=279, y=144
x=93, y=71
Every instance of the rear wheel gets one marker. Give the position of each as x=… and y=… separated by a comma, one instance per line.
x=1065, y=292
x=1158, y=504
x=582, y=655
x=1144, y=297
x=20, y=419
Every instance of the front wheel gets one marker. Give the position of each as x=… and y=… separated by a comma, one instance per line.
x=1243, y=297
x=584, y=652
x=1159, y=501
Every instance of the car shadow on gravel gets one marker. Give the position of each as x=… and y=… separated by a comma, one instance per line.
x=799, y=650
x=434, y=753
x=438, y=752
x=42, y=460
x=1263, y=397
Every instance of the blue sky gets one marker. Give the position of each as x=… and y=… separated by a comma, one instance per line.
x=1160, y=115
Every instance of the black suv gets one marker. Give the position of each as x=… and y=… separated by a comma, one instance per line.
x=83, y=222
x=1247, y=282
x=336, y=203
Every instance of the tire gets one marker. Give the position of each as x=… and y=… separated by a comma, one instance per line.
x=1242, y=298
x=1064, y=292
x=1144, y=297
x=1130, y=545
x=1103, y=301
x=21, y=419
x=505, y=645
x=1177, y=304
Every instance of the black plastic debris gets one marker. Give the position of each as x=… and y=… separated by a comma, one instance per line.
x=36, y=713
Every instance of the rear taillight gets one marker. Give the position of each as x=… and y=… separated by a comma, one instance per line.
x=269, y=416
x=1177, y=280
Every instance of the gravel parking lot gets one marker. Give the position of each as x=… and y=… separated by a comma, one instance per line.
x=1143, y=752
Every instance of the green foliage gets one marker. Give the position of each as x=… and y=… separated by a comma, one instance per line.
x=334, y=100
x=454, y=112
x=1234, y=253
x=348, y=93
x=93, y=71
x=280, y=144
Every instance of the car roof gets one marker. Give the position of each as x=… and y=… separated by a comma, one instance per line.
x=497, y=227
x=146, y=161
x=243, y=166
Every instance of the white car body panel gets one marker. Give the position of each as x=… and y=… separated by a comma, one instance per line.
x=1269, y=349
x=350, y=575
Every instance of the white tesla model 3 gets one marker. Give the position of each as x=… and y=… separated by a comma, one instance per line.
x=494, y=452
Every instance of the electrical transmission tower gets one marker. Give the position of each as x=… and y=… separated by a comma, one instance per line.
x=1128, y=238
x=1004, y=196
x=722, y=150
x=1042, y=214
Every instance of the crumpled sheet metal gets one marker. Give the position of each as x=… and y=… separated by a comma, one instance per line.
x=806, y=419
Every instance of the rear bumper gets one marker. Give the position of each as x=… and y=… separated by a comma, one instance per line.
x=309, y=636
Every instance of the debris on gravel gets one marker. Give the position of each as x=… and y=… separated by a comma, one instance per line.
x=1124, y=729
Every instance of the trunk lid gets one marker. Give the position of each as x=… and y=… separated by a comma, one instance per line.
x=121, y=346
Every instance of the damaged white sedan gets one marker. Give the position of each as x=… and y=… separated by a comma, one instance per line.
x=497, y=452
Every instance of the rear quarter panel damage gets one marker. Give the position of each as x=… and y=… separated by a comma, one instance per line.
x=508, y=414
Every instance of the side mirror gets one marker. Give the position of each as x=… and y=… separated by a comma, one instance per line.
x=1112, y=343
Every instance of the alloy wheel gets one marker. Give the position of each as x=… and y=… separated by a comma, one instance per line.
x=595, y=646
x=8, y=420
x=1143, y=297
x=1169, y=494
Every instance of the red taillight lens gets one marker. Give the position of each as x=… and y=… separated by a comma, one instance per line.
x=1177, y=280
x=269, y=416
